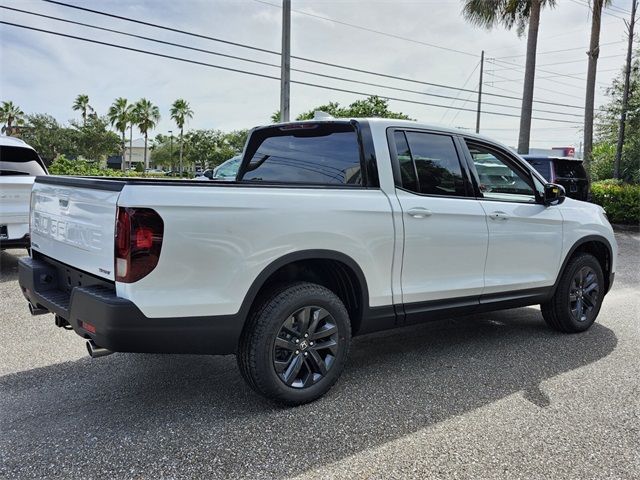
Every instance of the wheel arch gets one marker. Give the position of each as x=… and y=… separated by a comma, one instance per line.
x=332, y=269
x=596, y=245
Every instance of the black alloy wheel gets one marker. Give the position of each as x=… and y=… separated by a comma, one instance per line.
x=578, y=297
x=584, y=294
x=306, y=347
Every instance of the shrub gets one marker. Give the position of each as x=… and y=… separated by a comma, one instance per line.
x=620, y=200
x=63, y=166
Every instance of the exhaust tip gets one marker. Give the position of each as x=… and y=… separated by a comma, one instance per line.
x=95, y=351
x=37, y=310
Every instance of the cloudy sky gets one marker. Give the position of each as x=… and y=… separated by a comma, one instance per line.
x=423, y=40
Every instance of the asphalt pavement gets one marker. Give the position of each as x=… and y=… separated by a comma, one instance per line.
x=488, y=396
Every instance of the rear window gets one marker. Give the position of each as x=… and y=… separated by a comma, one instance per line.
x=21, y=157
x=569, y=169
x=326, y=154
x=542, y=166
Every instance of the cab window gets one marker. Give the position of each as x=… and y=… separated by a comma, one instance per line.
x=498, y=178
x=429, y=164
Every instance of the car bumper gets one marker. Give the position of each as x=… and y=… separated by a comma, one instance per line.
x=23, y=242
x=94, y=311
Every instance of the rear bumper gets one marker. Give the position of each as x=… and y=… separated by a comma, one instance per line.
x=23, y=242
x=95, y=312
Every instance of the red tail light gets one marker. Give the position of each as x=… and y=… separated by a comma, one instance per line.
x=138, y=242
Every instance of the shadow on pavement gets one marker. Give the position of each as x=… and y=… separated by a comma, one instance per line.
x=9, y=264
x=183, y=416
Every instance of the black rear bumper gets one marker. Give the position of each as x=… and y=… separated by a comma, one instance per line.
x=90, y=305
x=24, y=242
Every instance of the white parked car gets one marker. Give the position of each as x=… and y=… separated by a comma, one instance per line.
x=333, y=229
x=19, y=165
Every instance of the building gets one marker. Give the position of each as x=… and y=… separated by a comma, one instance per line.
x=136, y=153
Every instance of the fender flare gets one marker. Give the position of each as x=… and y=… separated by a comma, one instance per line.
x=578, y=244
x=289, y=258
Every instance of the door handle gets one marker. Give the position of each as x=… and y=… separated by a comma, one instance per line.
x=498, y=216
x=419, y=212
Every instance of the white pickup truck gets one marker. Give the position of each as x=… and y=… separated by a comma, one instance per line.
x=332, y=229
x=19, y=165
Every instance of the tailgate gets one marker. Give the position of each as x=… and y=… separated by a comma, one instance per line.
x=15, y=191
x=73, y=221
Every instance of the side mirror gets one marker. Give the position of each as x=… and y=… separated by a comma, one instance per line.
x=209, y=174
x=553, y=194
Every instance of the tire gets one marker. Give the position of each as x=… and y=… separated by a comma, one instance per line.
x=578, y=297
x=276, y=358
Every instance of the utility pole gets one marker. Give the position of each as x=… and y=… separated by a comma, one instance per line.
x=285, y=61
x=625, y=94
x=171, y=150
x=130, y=144
x=480, y=92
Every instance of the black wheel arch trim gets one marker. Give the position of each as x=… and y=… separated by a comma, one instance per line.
x=589, y=238
x=315, y=254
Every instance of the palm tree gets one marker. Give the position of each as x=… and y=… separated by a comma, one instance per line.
x=593, y=53
x=508, y=13
x=119, y=115
x=146, y=117
x=81, y=104
x=180, y=113
x=11, y=115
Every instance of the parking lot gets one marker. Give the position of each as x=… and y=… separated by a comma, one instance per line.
x=490, y=396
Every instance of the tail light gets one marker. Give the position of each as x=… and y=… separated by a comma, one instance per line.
x=138, y=242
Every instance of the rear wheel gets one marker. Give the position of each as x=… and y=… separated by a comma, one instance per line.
x=295, y=344
x=576, y=303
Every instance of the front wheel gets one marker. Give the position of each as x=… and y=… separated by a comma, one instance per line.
x=295, y=344
x=576, y=303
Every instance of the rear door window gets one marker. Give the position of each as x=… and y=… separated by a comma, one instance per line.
x=429, y=164
x=325, y=154
x=20, y=160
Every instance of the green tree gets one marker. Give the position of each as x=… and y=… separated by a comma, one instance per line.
x=180, y=113
x=146, y=116
x=209, y=148
x=607, y=129
x=48, y=137
x=593, y=53
x=162, y=151
x=119, y=115
x=490, y=13
x=373, y=106
x=93, y=139
x=81, y=104
x=11, y=116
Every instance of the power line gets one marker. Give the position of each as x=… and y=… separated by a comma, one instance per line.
x=444, y=114
x=556, y=51
x=333, y=77
x=371, y=30
x=537, y=87
x=319, y=62
x=164, y=27
x=325, y=87
x=604, y=11
x=552, y=74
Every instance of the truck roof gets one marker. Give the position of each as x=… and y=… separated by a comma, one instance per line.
x=392, y=122
x=6, y=141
